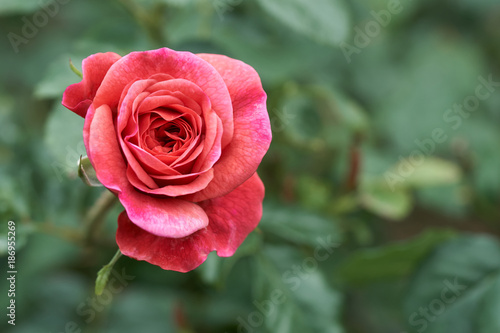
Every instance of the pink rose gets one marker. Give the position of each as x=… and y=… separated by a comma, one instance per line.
x=178, y=138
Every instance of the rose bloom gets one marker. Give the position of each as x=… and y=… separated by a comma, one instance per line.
x=178, y=138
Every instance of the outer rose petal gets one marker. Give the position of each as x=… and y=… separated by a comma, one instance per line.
x=160, y=216
x=252, y=129
x=232, y=218
x=78, y=97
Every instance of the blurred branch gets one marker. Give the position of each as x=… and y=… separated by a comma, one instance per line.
x=97, y=214
x=150, y=20
x=354, y=164
x=70, y=234
x=180, y=319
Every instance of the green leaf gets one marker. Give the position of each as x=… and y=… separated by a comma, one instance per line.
x=268, y=46
x=350, y=112
x=293, y=296
x=326, y=21
x=178, y=3
x=450, y=199
x=10, y=7
x=477, y=5
x=314, y=193
x=450, y=284
x=300, y=117
x=216, y=269
x=174, y=3
x=64, y=141
x=489, y=309
x=411, y=110
x=432, y=171
x=390, y=261
x=378, y=198
x=298, y=226
x=87, y=173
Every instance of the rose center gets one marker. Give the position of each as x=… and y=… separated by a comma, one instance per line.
x=170, y=136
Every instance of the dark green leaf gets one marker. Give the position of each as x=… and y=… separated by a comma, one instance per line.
x=488, y=319
x=453, y=280
x=64, y=140
x=326, y=21
x=216, y=269
x=293, y=296
x=390, y=261
x=9, y=7
x=298, y=226
x=58, y=76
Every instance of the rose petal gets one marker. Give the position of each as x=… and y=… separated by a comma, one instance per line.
x=180, y=65
x=162, y=217
x=198, y=183
x=78, y=97
x=252, y=129
x=232, y=218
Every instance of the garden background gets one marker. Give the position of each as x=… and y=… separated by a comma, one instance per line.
x=382, y=180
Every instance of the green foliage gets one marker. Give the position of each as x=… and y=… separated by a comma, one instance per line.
x=10, y=7
x=296, y=295
x=216, y=270
x=392, y=261
x=297, y=226
x=64, y=141
x=326, y=21
x=456, y=283
x=378, y=198
x=56, y=79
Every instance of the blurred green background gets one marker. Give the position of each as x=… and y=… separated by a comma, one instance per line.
x=383, y=180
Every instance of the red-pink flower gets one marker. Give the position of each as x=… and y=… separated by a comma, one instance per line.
x=178, y=138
